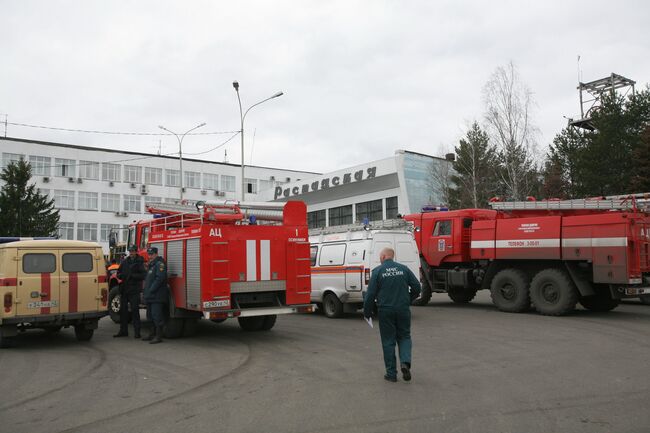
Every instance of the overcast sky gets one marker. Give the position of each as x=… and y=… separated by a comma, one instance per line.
x=360, y=78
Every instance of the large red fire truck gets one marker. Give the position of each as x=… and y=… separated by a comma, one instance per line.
x=551, y=254
x=230, y=259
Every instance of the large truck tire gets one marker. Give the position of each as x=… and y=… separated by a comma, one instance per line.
x=552, y=292
x=645, y=299
x=425, y=295
x=461, y=295
x=269, y=322
x=332, y=306
x=82, y=333
x=114, y=304
x=251, y=324
x=174, y=328
x=509, y=291
x=602, y=301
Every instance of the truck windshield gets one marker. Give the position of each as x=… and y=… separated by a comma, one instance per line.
x=131, y=239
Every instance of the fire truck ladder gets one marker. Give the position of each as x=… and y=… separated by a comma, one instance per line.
x=392, y=224
x=639, y=201
x=229, y=209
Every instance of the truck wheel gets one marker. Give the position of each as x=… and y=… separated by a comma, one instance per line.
x=552, y=292
x=269, y=322
x=601, y=301
x=174, y=328
x=509, y=291
x=254, y=323
x=645, y=299
x=332, y=307
x=461, y=295
x=425, y=295
x=82, y=333
x=191, y=327
x=114, y=304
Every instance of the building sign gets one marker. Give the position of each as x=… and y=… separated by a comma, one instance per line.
x=325, y=183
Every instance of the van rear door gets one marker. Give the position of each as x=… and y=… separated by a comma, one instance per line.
x=354, y=266
x=79, y=281
x=38, y=282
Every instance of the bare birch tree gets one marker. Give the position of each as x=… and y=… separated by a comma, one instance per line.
x=508, y=103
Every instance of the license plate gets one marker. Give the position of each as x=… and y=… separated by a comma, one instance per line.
x=638, y=291
x=42, y=304
x=217, y=304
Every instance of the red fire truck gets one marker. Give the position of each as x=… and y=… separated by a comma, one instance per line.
x=245, y=260
x=551, y=254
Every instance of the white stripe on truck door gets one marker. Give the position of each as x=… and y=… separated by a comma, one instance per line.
x=265, y=260
x=251, y=260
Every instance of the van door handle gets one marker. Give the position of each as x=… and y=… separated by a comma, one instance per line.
x=64, y=281
x=353, y=287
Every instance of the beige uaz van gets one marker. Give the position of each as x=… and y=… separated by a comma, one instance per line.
x=51, y=284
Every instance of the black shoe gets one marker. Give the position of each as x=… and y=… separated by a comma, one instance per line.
x=121, y=334
x=390, y=378
x=406, y=372
x=137, y=335
x=149, y=337
x=156, y=340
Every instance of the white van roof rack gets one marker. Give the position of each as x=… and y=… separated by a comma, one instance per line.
x=392, y=224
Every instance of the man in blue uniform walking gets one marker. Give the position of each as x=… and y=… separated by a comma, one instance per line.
x=389, y=288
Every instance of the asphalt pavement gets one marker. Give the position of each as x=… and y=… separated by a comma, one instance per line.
x=474, y=370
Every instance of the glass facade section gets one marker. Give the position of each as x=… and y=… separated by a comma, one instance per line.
x=418, y=178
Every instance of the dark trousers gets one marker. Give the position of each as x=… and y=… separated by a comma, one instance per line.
x=156, y=313
x=132, y=298
x=395, y=328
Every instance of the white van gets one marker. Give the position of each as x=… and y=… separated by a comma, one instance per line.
x=342, y=258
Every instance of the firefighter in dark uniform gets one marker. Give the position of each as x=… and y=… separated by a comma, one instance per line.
x=156, y=294
x=389, y=288
x=131, y=272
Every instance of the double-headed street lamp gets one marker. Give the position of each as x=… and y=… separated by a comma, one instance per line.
x=242, y=116
x=180, y=148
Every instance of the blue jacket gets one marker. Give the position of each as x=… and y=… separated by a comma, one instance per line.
x=155, y=285
x=389, y=287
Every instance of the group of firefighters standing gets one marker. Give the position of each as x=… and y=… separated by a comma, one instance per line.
x=132, y=272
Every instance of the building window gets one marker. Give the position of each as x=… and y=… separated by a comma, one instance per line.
x=89, y=170
x=111, y=172
x=87, y=200
x=105, y=230
x=132, y=174
x=172, y=177
x=40, y=165
x=64, y=199
x=251, y=185
x=66, y=231
x=391, y=208
x=8, y=158
x=153, y=176
x=150, y=199
x=87, y=232
x=210, y=181
x=132, y=203
x=110, y=202
x=191, y=179
x=228, y=183
x=316, y=219
x=64, y=167
x=340, y=215
x=372, y=210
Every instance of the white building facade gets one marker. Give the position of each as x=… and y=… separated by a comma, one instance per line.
x=378, y=190
x=97, y=190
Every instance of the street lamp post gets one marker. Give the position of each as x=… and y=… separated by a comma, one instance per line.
x=180, y=147
x=242, y=116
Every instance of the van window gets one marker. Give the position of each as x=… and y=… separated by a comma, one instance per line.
x=39, y=263
x=312, y=255
x=332, y=255
x=77, y=262
x=442, y=228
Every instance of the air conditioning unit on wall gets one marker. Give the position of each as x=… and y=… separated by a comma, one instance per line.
x=144, y=189
x=46, y=179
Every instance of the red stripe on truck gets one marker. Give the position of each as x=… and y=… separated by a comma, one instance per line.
x=45, y=289
x=73, y=294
